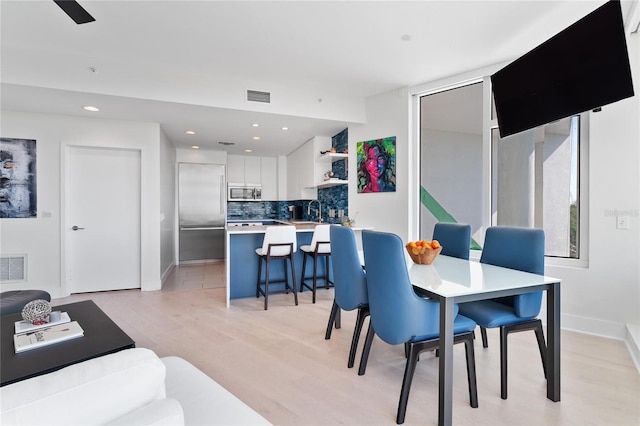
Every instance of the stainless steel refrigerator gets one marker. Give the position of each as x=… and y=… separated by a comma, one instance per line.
x=202, y=211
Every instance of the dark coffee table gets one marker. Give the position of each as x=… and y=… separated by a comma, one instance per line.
x=101, y=337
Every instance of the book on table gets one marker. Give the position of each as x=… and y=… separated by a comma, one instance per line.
x=24, y=326
x=47, y=336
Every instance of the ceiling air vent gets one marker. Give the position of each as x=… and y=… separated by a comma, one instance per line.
x=257, y=96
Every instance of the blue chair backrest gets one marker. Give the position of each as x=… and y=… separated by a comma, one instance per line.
x=349, y=279
x=455, y=238
x=521, y=249
x=397, y=313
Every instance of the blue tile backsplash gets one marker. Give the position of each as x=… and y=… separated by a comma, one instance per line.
x=335, y=197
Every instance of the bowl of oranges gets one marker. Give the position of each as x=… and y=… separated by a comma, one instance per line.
x=423, y=252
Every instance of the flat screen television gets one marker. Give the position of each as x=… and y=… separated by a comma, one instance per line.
x=584, y=67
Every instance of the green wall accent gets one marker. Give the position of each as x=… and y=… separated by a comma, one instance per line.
x=436, y=209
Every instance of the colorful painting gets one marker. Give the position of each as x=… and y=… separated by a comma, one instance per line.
x=17, y=178
x=377, y=165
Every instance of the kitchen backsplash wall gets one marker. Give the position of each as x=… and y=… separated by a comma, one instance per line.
x=336, y=197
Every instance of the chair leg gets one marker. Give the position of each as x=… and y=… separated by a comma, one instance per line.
x=304, y=269
x=266, y=284
x=339, y=318
x=483, y=332
x=409, y=369
x=542, y=346
x=293, y=278
x=503, y=362
x=362, y=314
x=536, y=326
x=471, y=369
x=328, y=283
x=259, y=275
x=332, y=319
x=365, y=350
x=315, y=279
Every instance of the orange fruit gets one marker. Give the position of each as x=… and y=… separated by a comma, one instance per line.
x=435, y=244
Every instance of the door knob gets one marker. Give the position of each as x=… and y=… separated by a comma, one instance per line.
x=76, y=228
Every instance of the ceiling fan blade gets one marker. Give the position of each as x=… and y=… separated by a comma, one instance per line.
x=75, y=11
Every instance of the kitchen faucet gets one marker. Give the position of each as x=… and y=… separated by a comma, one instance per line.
x=319, y=210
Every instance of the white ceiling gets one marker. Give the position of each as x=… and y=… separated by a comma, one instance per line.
x=187, y=64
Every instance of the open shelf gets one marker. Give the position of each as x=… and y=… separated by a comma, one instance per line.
x=331, y=182
x=334, y=156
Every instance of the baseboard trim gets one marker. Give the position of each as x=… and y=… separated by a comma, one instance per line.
x=632, y=340
x=629, y=333
x=596, y=327
x=166, y=273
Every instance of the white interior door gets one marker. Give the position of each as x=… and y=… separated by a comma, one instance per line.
x=103, y=226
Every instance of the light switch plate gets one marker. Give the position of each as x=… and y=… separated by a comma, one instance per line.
x=622, y=222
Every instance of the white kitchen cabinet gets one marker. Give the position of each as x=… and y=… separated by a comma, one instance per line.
x=244, y=169
x=301, y=172
x=269, y=178
x=235, y=169
x=252, y=169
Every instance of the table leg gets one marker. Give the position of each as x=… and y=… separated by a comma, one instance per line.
x=553, y=342
x=446, y=362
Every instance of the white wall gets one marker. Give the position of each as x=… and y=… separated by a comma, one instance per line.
x=605, y=296
x=40, y=238
x=386, y=116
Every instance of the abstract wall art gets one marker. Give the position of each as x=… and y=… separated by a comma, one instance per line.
x=18, y=194
x=377, y=165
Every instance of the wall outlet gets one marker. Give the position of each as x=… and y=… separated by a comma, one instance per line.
x=622, y=222
x=340, y=214
x=332, y=213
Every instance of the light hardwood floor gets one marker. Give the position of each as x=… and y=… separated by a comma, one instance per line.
x=279, y=363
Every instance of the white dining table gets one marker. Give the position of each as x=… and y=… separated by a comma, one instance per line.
x=451, y=280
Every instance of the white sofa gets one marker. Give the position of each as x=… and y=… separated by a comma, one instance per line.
x=130, y=387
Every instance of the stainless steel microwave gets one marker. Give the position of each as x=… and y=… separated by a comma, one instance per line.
x=244, y=192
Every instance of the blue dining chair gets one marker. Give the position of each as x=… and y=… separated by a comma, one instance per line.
x=350, y=284
x=455, y=238
x=515, y=248
x=400, y=316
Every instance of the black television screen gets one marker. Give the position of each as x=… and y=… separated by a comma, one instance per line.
x=583, y=67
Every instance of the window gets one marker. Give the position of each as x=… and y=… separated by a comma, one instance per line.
x=469, y=174
x=451, y=166
x=534, y=183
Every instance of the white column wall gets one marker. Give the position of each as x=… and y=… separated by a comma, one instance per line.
x=387, y=115
x=167, y=205
x=556, y=175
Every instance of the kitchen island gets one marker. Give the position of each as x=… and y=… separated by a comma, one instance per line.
x=243, y=238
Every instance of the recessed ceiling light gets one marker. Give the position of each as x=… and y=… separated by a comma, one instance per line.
x=248, y=150
x=255, y=125
x=285, y=128
x=91, y=108
x=256, y=138
x=190, y=132
x=195, y=147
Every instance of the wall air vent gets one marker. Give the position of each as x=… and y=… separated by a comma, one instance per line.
x=13, y=268
x=226, y=143
x=256, y=96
